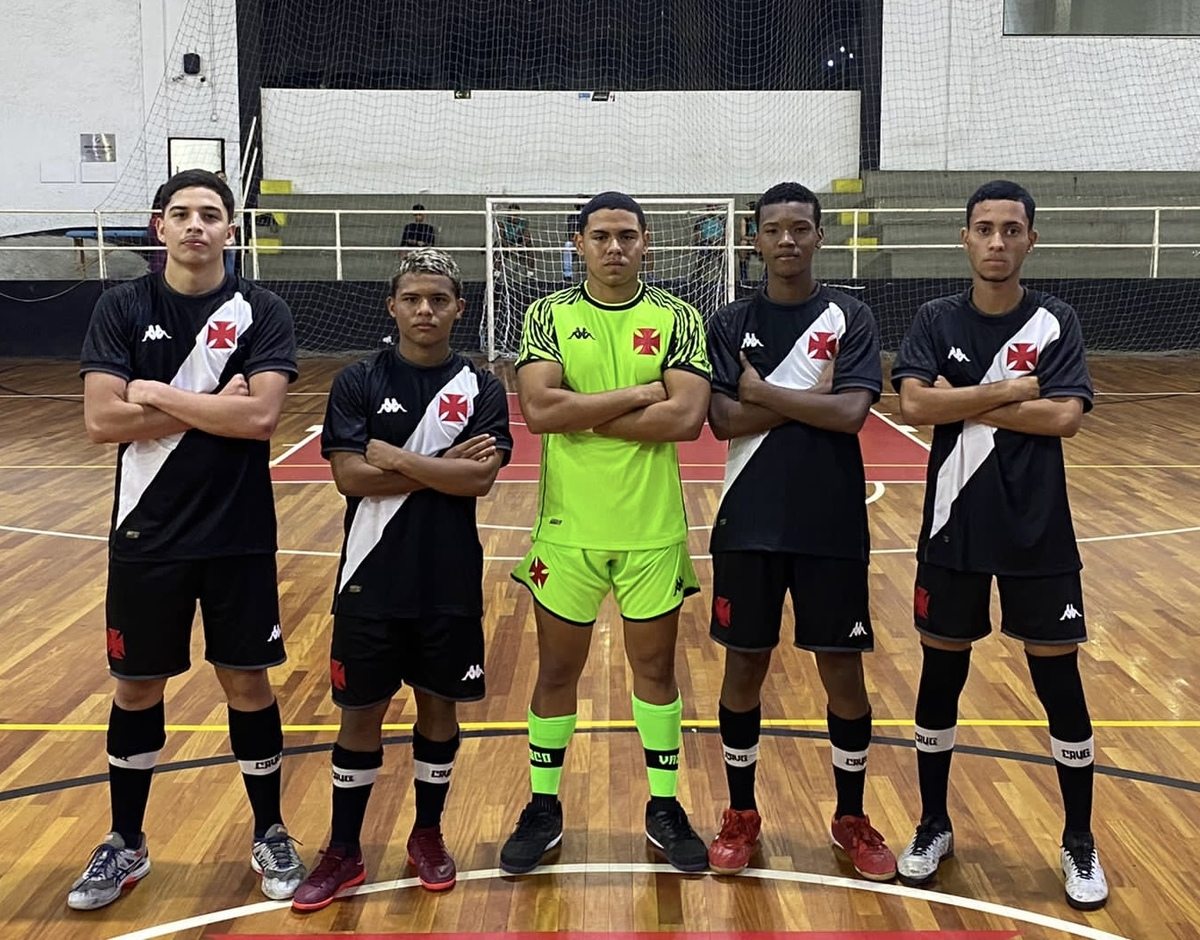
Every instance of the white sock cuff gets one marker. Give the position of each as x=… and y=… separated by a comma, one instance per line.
x=737, y=757
x=849, y=760
x=261, y=768
x=354, y=778
x=933, y=742
x=432, y=773
x=1073, y=754
x=145, y=761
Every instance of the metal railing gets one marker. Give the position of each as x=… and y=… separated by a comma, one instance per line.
x=94, y=241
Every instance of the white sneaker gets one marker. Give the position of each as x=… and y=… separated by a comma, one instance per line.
x=1087, y=888
x=918, y=863
x=111, y=869
x=274, y=857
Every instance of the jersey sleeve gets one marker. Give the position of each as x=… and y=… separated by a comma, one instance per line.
x=723, y=351
x=539, y=341
x=345, y=426
x=491, y=415
x=106, y=345
x=857, y=364
x=917, y=357
x=687, y=349
x=273, y=341
x=1062, y=370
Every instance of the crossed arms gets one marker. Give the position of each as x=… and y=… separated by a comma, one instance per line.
x=467, y=469
x=1011, y=404
x=668, y=410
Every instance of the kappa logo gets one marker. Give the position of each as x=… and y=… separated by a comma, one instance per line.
x=1070, y=613
x=390, y=406
x=473, y=672
x=581, y=332
x=154, y=331
x=750, y=341
x=276, y=634
x=859, y=630
x=957, y=355
x=678, y=585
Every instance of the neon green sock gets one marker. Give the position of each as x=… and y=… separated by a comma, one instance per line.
x=661, y=731
x=548, y=739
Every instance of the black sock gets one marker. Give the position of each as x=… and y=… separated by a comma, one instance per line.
x=354, y=774
x=135, y=739
x=739, y=742
x=432, y=763
x=256, y=739
x=1059, y=687
x=943, y=675
x=850, y=738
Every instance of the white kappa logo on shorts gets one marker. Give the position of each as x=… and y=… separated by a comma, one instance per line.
x=1070, y=613
x=859, y=629
x=474, y=672
x=276, y=634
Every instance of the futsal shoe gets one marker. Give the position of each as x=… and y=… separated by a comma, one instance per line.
x=427, y=854
x=539, y=830
x=1087, y=888
x=736, y=843
x=864, y=846
x=274, y=857
x=932, y=842
x=669, y=831
x=337, y=870
x=112, y=868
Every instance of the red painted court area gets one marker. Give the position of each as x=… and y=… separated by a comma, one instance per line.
x=891, y=455
x=658, y=935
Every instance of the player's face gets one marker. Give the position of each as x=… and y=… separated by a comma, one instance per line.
x=194, y=227
x=613, y=245
x=997, y=239
x=425, y=308
x=787, y=238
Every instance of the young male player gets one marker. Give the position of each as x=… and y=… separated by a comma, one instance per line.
x=414, y=434
x=611, y=372
x=795, y=371
x=187, y=370
x=999, y=371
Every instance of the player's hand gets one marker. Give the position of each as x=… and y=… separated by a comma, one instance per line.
x=654, y=392
x=749, y=381
x=382, y=455
x=1025, y=388
x=480, y=447
x=141, y=391
x=236, y=386
x=942, y=382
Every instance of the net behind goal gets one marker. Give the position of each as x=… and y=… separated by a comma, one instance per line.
x=531, y=252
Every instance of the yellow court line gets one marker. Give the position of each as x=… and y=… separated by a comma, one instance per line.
x=622, y=724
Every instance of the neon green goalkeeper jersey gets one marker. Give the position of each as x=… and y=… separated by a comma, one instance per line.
x=603, y=492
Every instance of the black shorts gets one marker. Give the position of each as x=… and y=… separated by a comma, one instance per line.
x=150, y=606
x=370, y=659
x=954, y=605
x=830, y=599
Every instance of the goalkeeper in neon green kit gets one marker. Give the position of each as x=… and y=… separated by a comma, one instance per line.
x=611, y=372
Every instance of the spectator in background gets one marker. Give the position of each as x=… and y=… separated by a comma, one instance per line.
x=156, y=257
x=418, y=233
x=708, y=232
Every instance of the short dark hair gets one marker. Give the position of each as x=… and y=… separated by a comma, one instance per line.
x=788, y=192
x=185, y=179
x=611, y=200
x=418, y=208
x=1002, y=189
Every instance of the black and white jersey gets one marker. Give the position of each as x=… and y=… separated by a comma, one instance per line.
x=415, y=554
x=996, y=500
x=795, y=488
x=194, y=494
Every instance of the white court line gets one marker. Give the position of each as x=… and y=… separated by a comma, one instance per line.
x=312, y=432
x=902, y=428
x=638, y=868
x=880, y=489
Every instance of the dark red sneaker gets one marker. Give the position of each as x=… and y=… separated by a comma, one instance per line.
x=737, y=841
x=427, y=854
x=337, y=870
x=865, y=847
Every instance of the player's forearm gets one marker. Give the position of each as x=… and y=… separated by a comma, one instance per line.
x=242, y=416
x=921, y=404
x=560, y=410
x=829, y=412
x=359, y=478
x=1046, y=416
x=729, y=419
x=454, y=476
x=670, y=420
x=120, y=422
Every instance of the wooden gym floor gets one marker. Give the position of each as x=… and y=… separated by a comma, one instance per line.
x=1135, y=488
